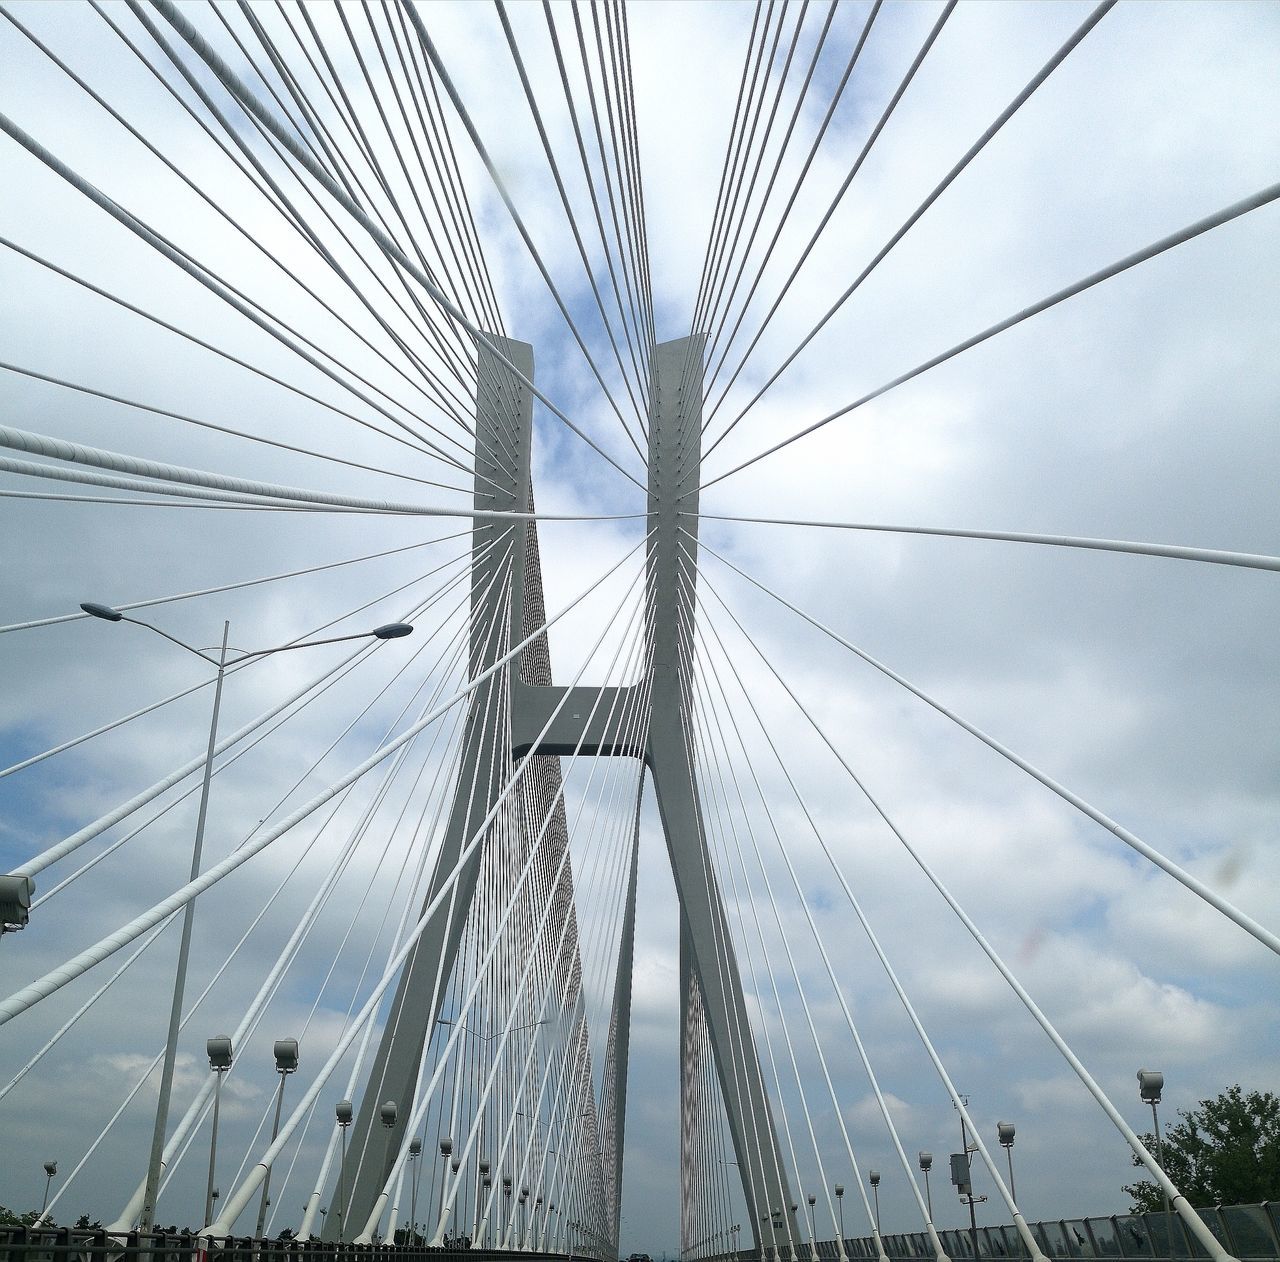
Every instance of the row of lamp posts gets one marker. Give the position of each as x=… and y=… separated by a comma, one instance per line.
x=1150, y=1087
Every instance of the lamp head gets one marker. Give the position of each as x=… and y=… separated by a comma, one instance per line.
x=1005, y=1131
x=485, y=1167
x=874, y=1176
x=446, y=1146
x=415, y=1147
x=926, y=1161
x=1150, y=1085
x=812, y=1199
x=286, y=1054
x=105, y=612
x=388, y=1111
x=345, y=1113
x=392, y=631
x=51, y=1168
x=219, y=1052
x=839, y=1191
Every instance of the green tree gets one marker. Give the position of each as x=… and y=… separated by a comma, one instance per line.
x=1225, y=1152
x=9, y=1218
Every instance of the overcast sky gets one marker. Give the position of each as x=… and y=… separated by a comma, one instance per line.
x=1145, y=409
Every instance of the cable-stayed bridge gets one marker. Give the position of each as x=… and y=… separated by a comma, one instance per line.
x=334, y=276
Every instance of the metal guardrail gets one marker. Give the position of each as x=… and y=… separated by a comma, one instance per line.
x=1249, y=1232
x=70, y=1244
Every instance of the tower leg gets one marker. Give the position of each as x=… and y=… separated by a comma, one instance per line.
x=504, y=417
x=674, y=473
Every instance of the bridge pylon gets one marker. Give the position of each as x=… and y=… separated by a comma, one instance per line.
x=507, y=568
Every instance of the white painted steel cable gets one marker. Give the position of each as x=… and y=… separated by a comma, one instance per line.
x=1211, y=556
x=128, y=1216
x=77, y=839
x=1037, y=81
x=1187, y=1213
x=235, y=1204
x=313, y=1202
x=547, y=149
x=638, y=718
x=77, y=453
x=422, y=1098
x=256, y=1007
x=1196, y=886
x=232, y=82
x=739, y=1039
x=872, y=1078
x=31, y=994
x=206, y=278
x=1237, y=209
x=740, y=898
x=152, y=410
x=874, y=135
x=129, y=605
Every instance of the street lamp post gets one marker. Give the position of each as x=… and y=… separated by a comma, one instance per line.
x=926, y=1164
x=524, y=1201
x=840, y=1208
x=345, y=1113
x=446, y=1151
x=874, y=1176
x=286, y=1054
x=813, y=1238
x=219, y=1053
x=106, y=613
x=388, y=1111
x=483, y=1181
x=415, y=1151
x=1150, y=1088
x=1005, y=1131
x=50, y=1169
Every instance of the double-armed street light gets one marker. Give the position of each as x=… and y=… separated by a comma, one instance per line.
x=391, y=631
x=219, y=1052
x=286, y=1054
x=345, y=1114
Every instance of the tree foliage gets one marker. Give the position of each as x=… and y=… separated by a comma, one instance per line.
x=1225, y=1152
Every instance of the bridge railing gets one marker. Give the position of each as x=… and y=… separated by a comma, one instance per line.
x=70, y=1244
x=1245, y=1231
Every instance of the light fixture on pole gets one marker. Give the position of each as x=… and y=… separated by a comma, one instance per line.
x=50, y=1169
x=415, y=1151
x=15, y=902
x=812, y=1233
x=286, y=1054
x=483, y=1181
x=1150, y=1088
x=1005, y=1131
x=387, y=1114
x=524, y=1215
x=926, y=1164
x=874, y=1177
x=219, y=1053
x=446, y=1151
x=345, y=1114
x=106, y=613
x=840, y=1207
